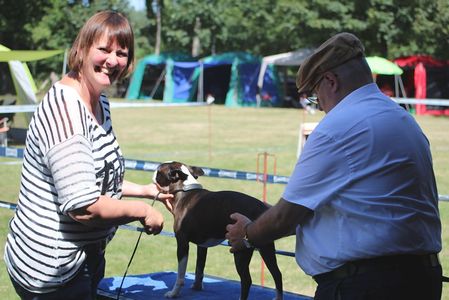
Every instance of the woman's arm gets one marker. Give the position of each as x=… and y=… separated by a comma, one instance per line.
x=107, y=212
x=149, y=191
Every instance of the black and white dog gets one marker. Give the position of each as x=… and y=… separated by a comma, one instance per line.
x=201, y=217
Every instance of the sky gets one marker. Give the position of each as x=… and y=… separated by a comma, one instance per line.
x=137, y=4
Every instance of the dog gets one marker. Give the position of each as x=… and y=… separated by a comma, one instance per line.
x=201, y=216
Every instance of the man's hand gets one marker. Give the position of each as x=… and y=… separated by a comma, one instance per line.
x=236, y=232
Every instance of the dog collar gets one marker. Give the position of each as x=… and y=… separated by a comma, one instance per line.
x=193, y=186
x=189, y=187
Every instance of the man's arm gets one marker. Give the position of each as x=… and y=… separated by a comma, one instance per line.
x=278, y=221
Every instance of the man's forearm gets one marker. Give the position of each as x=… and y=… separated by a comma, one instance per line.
x=279, y=221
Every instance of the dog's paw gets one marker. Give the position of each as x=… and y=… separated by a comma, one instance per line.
x=279, y=296
x=171, y=294
x=197, y=286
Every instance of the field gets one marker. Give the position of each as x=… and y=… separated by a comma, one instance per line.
x=224, y=138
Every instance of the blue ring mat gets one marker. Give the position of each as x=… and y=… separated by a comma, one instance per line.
x=155, y=285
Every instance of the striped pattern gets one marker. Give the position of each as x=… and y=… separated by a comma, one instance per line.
x=69, y=160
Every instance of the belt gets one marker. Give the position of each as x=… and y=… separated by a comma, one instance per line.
x=358, y=267
x=95, y=248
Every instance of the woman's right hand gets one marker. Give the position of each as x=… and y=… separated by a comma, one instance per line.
x=153, y=222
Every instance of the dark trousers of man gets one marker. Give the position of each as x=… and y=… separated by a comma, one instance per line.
x=383, y=280
x=82, y=286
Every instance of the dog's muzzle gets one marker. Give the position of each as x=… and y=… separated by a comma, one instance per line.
x=163, y=189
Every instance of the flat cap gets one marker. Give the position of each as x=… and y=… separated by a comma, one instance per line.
x=332, y=53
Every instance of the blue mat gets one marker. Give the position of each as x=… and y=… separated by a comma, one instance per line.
x=155, y=285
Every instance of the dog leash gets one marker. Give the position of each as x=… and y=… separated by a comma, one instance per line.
x=132, y=255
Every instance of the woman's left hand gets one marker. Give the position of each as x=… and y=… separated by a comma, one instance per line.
x=162, y=196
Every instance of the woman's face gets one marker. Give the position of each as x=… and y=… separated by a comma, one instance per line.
x=104, y=63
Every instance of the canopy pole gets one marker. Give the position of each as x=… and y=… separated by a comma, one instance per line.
x=159, y=80
x=64, y=64
x=201, y=84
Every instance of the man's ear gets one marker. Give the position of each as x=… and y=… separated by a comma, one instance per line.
x=332, y=80
x=196, y=171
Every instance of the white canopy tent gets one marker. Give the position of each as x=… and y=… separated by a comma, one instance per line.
x=23, y=85
x=20, y=74
x=293, y=58
x=378, y=65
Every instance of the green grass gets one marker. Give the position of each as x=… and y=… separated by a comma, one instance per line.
x=232, y=140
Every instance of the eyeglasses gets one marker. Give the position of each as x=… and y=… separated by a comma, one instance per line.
x=313, y=98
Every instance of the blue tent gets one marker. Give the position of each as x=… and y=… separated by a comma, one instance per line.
x=180, y=81
x=149, y=77
x=230, y=78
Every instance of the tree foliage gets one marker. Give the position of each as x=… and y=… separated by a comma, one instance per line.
x=389, y=28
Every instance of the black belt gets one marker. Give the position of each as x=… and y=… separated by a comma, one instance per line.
x=377, y=263
x=95, y=248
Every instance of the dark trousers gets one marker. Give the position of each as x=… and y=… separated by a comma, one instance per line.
x=82, y=287
x=396, y=282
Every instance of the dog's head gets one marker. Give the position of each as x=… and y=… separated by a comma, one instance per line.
x=175, y=175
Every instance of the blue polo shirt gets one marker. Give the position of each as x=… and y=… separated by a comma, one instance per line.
x=366, y=172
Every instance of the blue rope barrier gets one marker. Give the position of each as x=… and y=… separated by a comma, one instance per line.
x=12, y=206
x=151, y=166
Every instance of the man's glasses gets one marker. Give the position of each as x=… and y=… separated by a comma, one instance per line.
x=313, y=98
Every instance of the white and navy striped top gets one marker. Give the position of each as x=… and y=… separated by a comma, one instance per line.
x=68, y=162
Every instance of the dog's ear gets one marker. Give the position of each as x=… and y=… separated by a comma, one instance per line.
x=176, y=175
x=196, y=171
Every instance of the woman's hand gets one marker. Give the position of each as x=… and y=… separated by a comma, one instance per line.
x=162, y=196
x=149, y=191
x=153, y=222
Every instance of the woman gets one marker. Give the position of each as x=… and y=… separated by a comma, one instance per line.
x=72, y=174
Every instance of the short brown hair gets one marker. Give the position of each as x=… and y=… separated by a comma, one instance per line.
x=117, y=28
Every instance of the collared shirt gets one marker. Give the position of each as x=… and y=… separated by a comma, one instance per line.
x=366, y=172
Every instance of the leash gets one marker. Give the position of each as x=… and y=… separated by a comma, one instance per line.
x=119, y=291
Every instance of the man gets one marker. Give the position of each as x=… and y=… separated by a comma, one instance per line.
x=362, y=197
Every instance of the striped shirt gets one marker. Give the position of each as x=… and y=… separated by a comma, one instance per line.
x=69, y=160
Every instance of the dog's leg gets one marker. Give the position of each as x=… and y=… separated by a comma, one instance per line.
x=268, y=254
x=242, y=260
x=201, y=255
x=183, y=256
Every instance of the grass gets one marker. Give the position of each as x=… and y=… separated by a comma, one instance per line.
x=231, y=140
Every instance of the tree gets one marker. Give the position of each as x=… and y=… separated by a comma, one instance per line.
x=59, y=25
x=154, y=10
x=389, y=28
x=15, y=16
